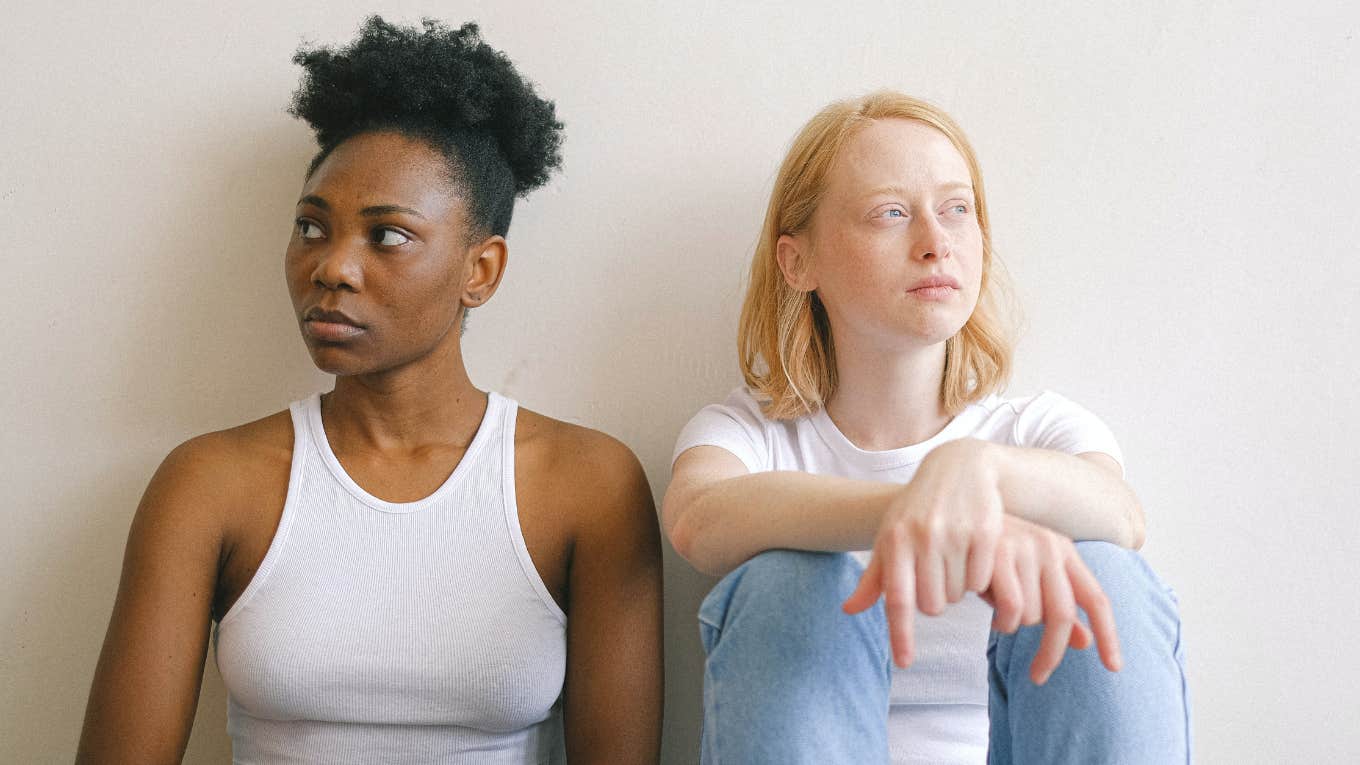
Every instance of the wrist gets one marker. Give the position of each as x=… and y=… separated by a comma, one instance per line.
x=976, y=454
x=997, y=460
x=989, y=462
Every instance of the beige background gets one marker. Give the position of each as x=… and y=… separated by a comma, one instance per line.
x=1174, y=189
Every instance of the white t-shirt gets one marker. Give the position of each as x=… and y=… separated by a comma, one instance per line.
x=939, y=704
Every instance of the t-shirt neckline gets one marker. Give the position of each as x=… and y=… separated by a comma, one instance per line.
x=959, y=426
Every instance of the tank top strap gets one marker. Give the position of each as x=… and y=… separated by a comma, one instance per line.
x=300, y=411
x=512, y=519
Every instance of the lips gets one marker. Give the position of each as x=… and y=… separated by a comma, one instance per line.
x=316, y=313
x=330, y=326
x=935, y=288
x=937, y=280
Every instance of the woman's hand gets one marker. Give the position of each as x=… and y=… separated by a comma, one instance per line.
x=1038, y=576
x=947, y=533
x=937, y=540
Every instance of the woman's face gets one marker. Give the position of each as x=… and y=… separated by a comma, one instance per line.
x=380, y=263
x=895, y=245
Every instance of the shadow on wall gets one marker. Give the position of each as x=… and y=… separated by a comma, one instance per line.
x=64, y=604
x=208, y=343
x=663, y=349
x=222, y=347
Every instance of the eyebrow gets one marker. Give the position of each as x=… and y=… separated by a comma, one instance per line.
x=388, y=210
x=368, y=212
x=896, y=189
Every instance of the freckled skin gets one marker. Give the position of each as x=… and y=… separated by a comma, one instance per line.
x=866, y=256
x=408, y=296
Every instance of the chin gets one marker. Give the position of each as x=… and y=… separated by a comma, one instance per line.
x=338, y=361
x=934, y=330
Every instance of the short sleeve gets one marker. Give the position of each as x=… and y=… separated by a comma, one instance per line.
x=736, y=425
x=1051, y=421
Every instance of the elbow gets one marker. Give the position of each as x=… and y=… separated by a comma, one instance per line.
x=681, y=537
x=1137, y=527
x=678, y=524
x=1139, y=537
x=689, y=544
x=687, y=537
x=680, y=520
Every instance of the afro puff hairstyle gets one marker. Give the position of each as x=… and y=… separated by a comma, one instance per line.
x=446, y=87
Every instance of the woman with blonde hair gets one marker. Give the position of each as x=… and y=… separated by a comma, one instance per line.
x=870, y=454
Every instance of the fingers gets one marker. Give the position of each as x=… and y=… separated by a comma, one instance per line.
x=1031, y=597
x=899, y=600
x=1081, y=636
x=981, y=562
x=1005, y=593
x=868, y=589
x=1086, y=590
x=930, y=575
x=1060, y=612
x=955, y=568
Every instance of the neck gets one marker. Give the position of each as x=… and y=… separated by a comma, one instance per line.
x=423, y=402
x=887, y=399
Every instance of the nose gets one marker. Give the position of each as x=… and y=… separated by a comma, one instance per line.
x=931, y=240
x=338, y=267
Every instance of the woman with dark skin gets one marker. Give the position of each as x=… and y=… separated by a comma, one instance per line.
x=393, y=244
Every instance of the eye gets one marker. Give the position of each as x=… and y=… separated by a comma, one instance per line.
x=307, y=229
x=960, y=208
x=389, y=237
x=891, y=213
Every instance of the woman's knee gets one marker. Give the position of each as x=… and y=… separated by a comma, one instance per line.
x=774, y=628
x=783, y=592
x=1145, y=609
x=1122, y=573
x=811, y=576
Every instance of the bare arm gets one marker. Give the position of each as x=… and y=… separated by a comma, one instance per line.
x=614, y=669
x=718, y=515
x=1081, y=497
x=146, y=684
x=961, y=520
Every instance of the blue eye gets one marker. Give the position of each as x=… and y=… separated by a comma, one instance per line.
x=308, y=229
x=390, y=237
x=960, y=208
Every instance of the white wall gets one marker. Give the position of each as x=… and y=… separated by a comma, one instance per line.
x=1174, y=190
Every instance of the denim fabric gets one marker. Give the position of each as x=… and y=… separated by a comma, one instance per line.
x=791, y=679
x=1085, y=713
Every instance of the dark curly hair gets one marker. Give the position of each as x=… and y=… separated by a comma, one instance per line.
x=446, y=87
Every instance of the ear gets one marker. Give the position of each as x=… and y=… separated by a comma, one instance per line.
x=793, y=253
x=486, y=261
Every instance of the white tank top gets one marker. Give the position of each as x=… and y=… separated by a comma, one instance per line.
x=378, y=632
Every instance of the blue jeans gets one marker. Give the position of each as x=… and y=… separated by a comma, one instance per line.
x=791, y=679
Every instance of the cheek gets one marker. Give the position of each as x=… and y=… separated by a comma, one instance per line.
x=424, y=299
x=853, y=266
x=969, y=254
x=297, y=273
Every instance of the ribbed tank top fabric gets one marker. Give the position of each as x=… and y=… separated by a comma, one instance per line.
x=396, y=632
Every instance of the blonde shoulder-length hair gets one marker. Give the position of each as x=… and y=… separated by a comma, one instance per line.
x=784, y=337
